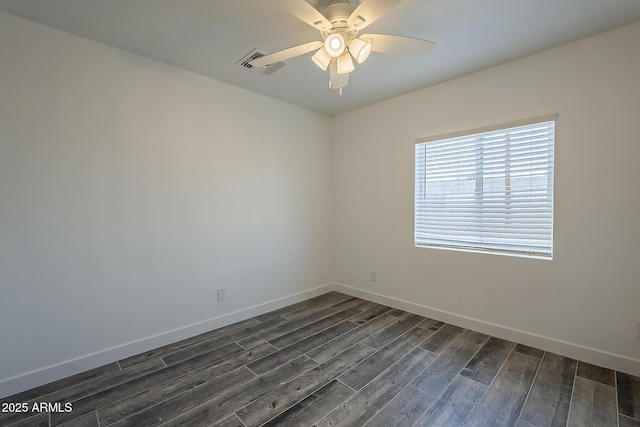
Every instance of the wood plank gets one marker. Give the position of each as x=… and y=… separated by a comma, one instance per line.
x=230, y=421
x=281, y=356
x=348, y=303
x=431, y=324
x=209, y=345
x=224, y=398
x=358, y=376
x=273, y=333
x=305, y=311
x=334, y=297
x=30, y=420
x=628, y=395
x=87, y=420
x=455, y=405
x=337, y=345
x=484, y=366
x=596, y=373
x=321, y=301
x=397, y=312
x=86, y=388
x=442, y=338
x=404, y=323
x=285, y=396
x=365, y=403
x=138, y=385
x=405, y=409
x=628, y=422
x=592, y=404
x=367, y=305
x=166, y=349
x=156, y=395
x=370, y=314
x=530, y=351
x=315, y=327
x=279, y=397
x=313, y=408
x=43, y=390
x=503, y=401
x=437, y=377
x=550, y=396
x=328, y=300
x=318, y=302
x=154, y=408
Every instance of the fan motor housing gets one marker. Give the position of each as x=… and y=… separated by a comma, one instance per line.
x=338, y=12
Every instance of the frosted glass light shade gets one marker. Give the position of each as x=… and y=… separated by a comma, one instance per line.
x=322, y=59
x=360, y=50
x=335, y=45
x=345, y=64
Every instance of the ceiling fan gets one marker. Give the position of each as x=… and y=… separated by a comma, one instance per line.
x=339, y=24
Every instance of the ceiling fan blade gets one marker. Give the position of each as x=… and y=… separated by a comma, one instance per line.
x=369, y=11
x=306, y=13
x=283, y=55
x=398, y=44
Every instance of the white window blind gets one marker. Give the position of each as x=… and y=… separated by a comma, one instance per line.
x=489, y=191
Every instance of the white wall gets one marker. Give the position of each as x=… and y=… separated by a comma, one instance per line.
x=584, y=303
x=130, y=190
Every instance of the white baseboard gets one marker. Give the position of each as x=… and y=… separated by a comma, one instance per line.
x=572, y=350
x=83, y=363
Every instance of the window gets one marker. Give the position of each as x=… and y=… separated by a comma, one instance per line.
x=489, y=190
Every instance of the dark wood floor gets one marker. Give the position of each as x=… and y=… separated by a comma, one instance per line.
x=337, y=360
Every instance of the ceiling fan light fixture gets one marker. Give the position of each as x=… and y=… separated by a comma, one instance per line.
x=335, y=44
x=345, y=64
x=337, y=80
x=339, y=24
x=360, y=49
x=322, y=59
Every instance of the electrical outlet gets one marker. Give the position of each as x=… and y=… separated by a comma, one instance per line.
x=222, y=294
x=372, y=276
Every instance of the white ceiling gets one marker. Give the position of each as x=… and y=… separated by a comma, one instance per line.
x=210, y=36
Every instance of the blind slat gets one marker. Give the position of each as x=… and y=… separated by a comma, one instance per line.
x=490, y=191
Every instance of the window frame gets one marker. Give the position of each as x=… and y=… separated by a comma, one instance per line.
x=477, y=247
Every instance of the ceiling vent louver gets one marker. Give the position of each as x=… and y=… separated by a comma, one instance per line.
x=266, y=71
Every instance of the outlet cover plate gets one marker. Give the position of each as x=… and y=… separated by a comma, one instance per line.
x=222, y=294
